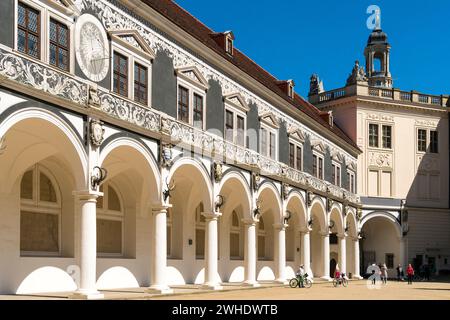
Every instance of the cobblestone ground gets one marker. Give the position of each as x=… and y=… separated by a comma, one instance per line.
x=357, y=290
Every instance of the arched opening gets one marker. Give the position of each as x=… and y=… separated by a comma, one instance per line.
x=319, y=227
x=190, y=198
x=380, y=243
x=124, y=213
x=42, y=164
x=336, y=231
x=296, y=224
x=236, y=194
x=265, y=231
x=352, y=235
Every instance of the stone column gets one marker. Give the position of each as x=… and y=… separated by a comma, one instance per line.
x=87, y=201
x=211, y=252
x=342, y=254
x=306, y=252
x=250, y=253
x=326, y=256
x=280, y=253
x=356, y=258
x=159, y=251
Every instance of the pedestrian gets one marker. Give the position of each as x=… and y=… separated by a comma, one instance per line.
x=374, y=277
x=399, y=272
x=300, y=275
x=427, y=272
x=410, y=273
x=384, y=273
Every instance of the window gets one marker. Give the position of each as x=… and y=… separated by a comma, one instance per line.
x=333, y=238
x=318, y=166
x=199, y=232
x=109, y=222
x=59, y=45
x=387, y=136
x=235, y=242
x=336, y=174
x=198, y=111
x=268, y=145
x=230, y=46
x=140, y=83
x=295, y=155
x=351, y=181
x=120, y=77
x=389, y=260
x=434, y=141
x=40, y=213
x=422, y=140
x=235, y=126
x=183, y=104
x=373, y=135
x=28, y=30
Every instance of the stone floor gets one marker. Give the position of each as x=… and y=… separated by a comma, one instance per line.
x=356, y=290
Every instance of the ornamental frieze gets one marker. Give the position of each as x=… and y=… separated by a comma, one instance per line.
x=380, y=117
x=40, y=77
x=426, y=123
x=380, y=159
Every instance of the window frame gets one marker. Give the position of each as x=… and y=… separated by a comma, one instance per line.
x=133, y=58
x=431, y=141
x=297, y=145
x=316, y=165
x=35, y=205
x=192, y=89
x=200, y=225
x=112, y=215
x=377, y=137
x=138, y=82
x=236, y=113
x=351, y=180
x=40, y=30
x=337, y=178
x=48, y=10
x=269, y=130
x=235, y=230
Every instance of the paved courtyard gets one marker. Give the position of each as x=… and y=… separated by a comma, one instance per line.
x=357, y=290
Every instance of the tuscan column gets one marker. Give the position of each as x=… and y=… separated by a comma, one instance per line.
x=306, y=252
x=211, y=254
x=250, y=253
x=87, y=201
x=356, y=258
x=159, y=250
x=280, y=252
x=326, y=255
x=342, y=254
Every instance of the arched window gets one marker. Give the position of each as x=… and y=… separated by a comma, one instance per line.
x=261, y=239
x=199, y=232
x=109, y=222
x=235, y=241
x=40, y=213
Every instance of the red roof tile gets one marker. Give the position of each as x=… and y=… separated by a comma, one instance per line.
x=198, y=30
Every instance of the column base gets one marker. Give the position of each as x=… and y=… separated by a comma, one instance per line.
x=159, y=289
x=326, y=278
x=281, y=281
x=211, y=286
x=87, y=295
x=251, y=283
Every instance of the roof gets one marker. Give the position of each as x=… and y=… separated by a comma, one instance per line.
x=202, y=33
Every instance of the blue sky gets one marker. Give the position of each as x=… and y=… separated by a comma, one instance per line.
x=293, y=39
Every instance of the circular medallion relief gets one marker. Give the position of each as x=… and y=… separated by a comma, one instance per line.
x=91, y=47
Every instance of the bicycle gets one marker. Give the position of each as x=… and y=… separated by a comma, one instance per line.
x=294, y=282
x=341, y=280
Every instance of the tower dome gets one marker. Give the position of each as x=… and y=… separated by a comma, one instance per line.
x=377, y=59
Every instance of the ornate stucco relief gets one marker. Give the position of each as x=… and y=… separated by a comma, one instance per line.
x=380, y=159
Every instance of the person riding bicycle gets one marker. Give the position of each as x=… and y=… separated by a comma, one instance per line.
x=337, y=273
x=300, y=275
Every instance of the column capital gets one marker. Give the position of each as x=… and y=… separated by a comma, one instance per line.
x=211, y=215
x=158, y=207
x=341, y=235
x=252, y=222
x=280, y=226
x=87, y=195
x=325, y=234
x=304, y=231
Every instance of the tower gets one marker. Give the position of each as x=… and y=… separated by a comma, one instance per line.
x=377, y=59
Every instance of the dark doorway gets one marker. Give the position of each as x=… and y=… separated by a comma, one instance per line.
x=332, y=267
